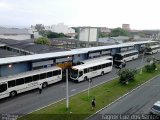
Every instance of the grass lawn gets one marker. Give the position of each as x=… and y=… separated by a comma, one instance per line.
x=80, y=105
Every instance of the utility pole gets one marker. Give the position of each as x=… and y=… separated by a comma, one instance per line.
x=67, y=97
x=88, y=35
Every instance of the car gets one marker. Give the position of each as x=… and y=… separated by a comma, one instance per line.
x=155, y=109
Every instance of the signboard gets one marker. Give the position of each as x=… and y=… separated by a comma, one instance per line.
x=94, y=54
x=43, y=63
x=130, y=48
x=106, y=52
x=123, y=49
x=60, y=60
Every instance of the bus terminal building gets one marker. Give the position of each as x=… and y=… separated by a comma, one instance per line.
x=63, y=58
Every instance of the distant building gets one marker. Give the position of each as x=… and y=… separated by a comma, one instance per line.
x=104, y=30
x=126, y=26
x=14, y=33
x=34, y=33
x=88, y=34
x=61, y=28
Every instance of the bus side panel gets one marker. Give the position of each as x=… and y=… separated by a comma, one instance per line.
x=4, y=94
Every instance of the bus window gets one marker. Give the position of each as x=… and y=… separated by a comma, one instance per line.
x=20, y=81
x=35, y=77
x=99, y=66
x=59, y=72
x=118, y=57
x=85, y=70
x=74, y=73
x=49, y=74
x=43, y=76
x=11, y=83
x=103, y=66
x=80, y=73
x=94, y=68
x=28, y=79
x=3, y=87
x=55, y=73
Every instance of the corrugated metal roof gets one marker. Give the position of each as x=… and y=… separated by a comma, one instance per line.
x=65, y=53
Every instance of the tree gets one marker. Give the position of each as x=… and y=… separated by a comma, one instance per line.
x=126, y=75
x=39, y=27
x=102, y=35
x=119, y=32
x=50, y=34
x=43, y=41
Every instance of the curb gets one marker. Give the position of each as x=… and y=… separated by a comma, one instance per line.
x=123, y=96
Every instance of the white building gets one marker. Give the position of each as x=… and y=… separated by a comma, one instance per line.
x=89, y=34
x=60, y=28
x=14, y=33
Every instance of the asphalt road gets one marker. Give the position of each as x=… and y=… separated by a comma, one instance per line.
x=137, y=103
x=29, y=101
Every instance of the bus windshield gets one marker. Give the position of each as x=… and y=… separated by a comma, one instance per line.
x=118, y=57
x=3, y=87
x=74, y=73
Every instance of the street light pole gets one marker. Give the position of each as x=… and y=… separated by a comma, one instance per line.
x=67, y=97
x=89, y=86
x=142, y=62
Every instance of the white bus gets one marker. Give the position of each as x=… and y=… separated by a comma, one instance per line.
x=90, y=69
x=152, y=49
x=126, y=56
x=15, y=84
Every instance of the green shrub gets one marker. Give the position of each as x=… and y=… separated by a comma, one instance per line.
x=150, y=67
x=43, y=41
x=126, y=75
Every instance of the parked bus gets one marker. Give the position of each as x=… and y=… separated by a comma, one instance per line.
x=15, y=84
x=152, y=49
x=90, y=69
x=126, y=56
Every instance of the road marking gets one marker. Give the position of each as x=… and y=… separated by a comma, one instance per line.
x=63, y=86
x=73, y=90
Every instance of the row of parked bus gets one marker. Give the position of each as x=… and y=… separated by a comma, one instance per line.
x=15, y=84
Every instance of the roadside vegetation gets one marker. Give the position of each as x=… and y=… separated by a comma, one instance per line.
x=43, y=41
x=80, y=105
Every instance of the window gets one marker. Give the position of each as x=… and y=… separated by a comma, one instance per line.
x=20, y=81
x=28, y=79
x=80, y=73
x=108, y=64
x=49, y=74
x=99, y=66
x=103, y=66
x=59, y=71
x=55, y=73
x=11, y=83
x=43, y=76
x=94, y=68
x=3, y=87
x=35, y=77
x=90, y=69
x=85, y=70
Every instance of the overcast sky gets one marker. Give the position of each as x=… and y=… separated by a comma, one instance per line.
x=140, y=14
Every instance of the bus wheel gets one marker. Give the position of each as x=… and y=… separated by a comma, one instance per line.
x=13, y=93
x=44, y=85
x=85, y=78
x=102, y=73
